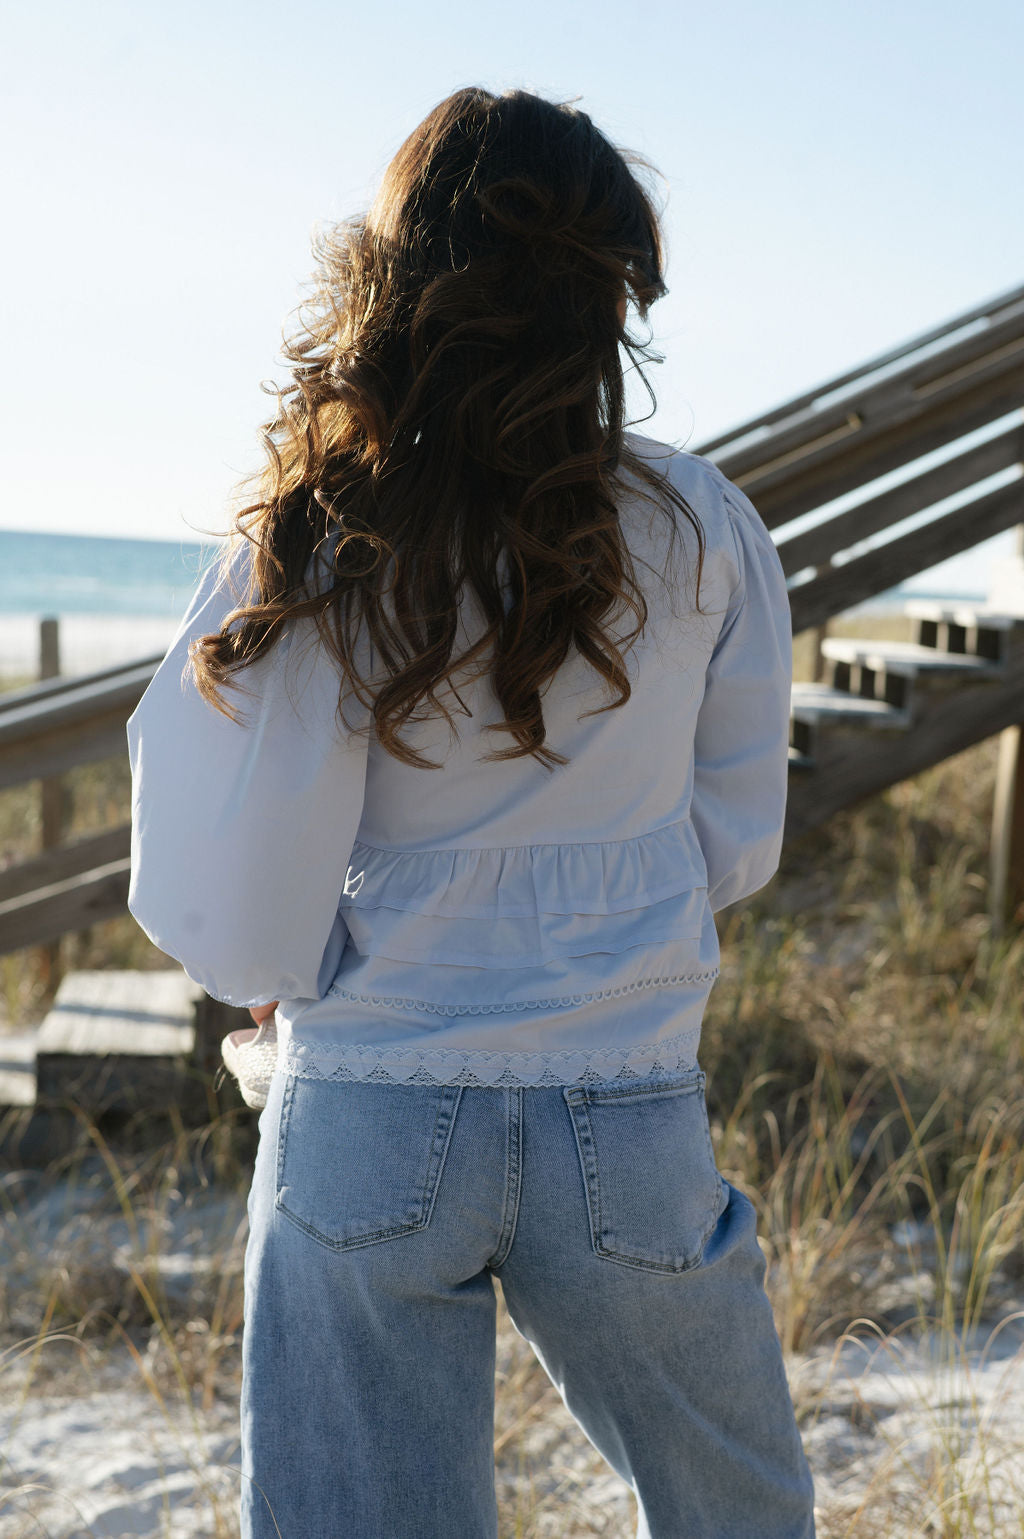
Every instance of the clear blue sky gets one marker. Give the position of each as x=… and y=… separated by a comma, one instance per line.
x=839, y=178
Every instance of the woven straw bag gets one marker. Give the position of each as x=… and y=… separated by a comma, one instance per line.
x=251, y=1056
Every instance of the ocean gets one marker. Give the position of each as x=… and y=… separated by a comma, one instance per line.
x=62, y=574
x=120, y=599
x=115, y=599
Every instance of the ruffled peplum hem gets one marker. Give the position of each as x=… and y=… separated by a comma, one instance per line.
x=525, y=906
x=626, y=999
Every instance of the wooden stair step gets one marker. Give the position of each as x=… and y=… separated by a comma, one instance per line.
x=18, y=1068
x=118, y=1040
x=116, y=1045
x=851, y=765
x=905, y=657
x=820, y=703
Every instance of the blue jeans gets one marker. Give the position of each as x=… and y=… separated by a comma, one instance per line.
x=379, y=1215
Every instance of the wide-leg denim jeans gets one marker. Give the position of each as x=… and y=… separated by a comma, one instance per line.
x=379, y=1215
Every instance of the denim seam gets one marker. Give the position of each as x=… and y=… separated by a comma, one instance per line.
x=513, y=1177
x=687, y=1083
x=439, y=1146
x=282, y=1133
x=585, y=1144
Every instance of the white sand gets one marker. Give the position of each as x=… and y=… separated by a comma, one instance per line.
x=899, y=1429
x=923, y=1429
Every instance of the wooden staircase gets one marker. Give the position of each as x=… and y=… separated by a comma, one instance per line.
x=886, y=710
x=866, y=481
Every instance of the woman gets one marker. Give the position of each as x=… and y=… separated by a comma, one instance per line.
x=486, y=925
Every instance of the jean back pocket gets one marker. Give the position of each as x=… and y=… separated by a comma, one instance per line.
x=653, y=1191
x=359, y=1162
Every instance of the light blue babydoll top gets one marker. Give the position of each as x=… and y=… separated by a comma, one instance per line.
x=483, y=923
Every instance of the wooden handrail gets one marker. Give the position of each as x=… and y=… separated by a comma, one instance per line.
x=76, y=699
x=816, y=546
x=878, y=570
x=49, y=689
x=66, y=861
x=942, y=375
x=46, y=731
x=62, y=907
x=862, y=373
x=784, y=489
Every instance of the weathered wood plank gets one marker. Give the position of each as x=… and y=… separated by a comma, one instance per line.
x=64, y=907
x=1006, y=850
x=878, y=570
x=950, y=373
x=75, y=701
x=51, y=798
x=863, y=371
x=816, y=546
x=67, y=860
x=788, y=491
x=120, y=1041
x=58, y=749
x=48, y=730
x=962, y=612
x=966, y=362
x=906, y=656
x=122, y=1010
x=51, y=690
x=17, y=1069
x=821, y=703
x=967, y=368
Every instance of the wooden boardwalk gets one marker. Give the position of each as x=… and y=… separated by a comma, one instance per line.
x=115, y=1045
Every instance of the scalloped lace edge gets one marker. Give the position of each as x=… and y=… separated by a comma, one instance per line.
x=706, y=975
x=411, y=1066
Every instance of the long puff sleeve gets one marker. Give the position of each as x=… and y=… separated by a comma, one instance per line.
x=741, y=746
x=242, y=833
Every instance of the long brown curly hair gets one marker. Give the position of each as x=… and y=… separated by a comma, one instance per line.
x=458, y=398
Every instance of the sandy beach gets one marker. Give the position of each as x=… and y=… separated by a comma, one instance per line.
x=110, y=1438
x=863, y=1048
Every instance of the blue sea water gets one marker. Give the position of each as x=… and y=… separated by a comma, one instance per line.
x=58, y=574
x=65, y=574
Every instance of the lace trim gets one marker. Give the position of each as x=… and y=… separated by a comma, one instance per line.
x=437, y=1066
x=706, y=975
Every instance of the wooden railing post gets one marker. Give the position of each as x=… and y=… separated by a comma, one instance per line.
x=51, y=801
x=818, y=633
x=1006, y=869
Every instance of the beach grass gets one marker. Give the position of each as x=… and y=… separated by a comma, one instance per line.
x=863, y=1048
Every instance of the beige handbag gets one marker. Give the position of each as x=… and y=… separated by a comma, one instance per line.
x=250, y=1054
